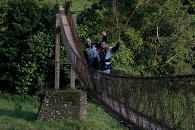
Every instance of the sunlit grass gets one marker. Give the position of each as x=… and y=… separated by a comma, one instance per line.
x=80, y=5
x=17, y=114
x=77, y=5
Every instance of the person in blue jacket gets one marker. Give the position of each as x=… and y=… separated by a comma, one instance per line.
x=91, y=54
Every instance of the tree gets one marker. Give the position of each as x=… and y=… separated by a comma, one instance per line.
x=168, y=27
x=27, y=46
x=165, y=29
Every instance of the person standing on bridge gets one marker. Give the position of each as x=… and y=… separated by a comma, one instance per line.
x=105, y=52
x=104, y=65
x=91, y=54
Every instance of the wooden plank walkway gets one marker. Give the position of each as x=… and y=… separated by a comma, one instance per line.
x=130, y=115
x=66, y=31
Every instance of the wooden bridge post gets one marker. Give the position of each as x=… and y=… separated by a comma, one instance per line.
x=57, y=57
x=57, y=53
x=59, y=104
x=72, y=80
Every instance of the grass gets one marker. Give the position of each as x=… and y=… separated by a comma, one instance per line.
x=77, y=5
x=18, y=112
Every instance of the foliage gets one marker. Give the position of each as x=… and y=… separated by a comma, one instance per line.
x=158, y=39
x=158, y=34
x=27, y=49
x=128, y=52
x=168, y=27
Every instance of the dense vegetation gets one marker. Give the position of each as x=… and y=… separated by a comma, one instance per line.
x=158, y=38
x=27, y=45
x=158, y=35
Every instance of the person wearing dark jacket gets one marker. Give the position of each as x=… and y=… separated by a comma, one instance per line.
x=91, y=54
x=105, y=52
x=104, y=65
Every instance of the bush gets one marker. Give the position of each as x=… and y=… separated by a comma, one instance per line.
x=27, y=46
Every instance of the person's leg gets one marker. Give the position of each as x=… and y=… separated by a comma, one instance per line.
x=108, y=83
x=98, y=86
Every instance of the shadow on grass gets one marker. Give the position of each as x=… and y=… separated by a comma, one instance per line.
x=26, y=115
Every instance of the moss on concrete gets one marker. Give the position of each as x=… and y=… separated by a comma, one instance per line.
x=63, y=104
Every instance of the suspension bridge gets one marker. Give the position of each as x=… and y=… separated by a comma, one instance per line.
x=152, y=103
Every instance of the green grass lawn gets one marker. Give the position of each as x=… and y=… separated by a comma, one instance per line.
x=19, y=113
x=77, y=5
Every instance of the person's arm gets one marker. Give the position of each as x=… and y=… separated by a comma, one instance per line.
x=104, y=38
x=116, y=47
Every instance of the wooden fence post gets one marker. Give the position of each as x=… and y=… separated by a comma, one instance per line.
x=57, y=53
x=72, y=80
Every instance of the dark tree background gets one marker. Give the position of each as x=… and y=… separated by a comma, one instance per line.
x=27, y=32
x=158, y=35
x=158, y=39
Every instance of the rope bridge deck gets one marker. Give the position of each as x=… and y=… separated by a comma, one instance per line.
x=153, y=103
